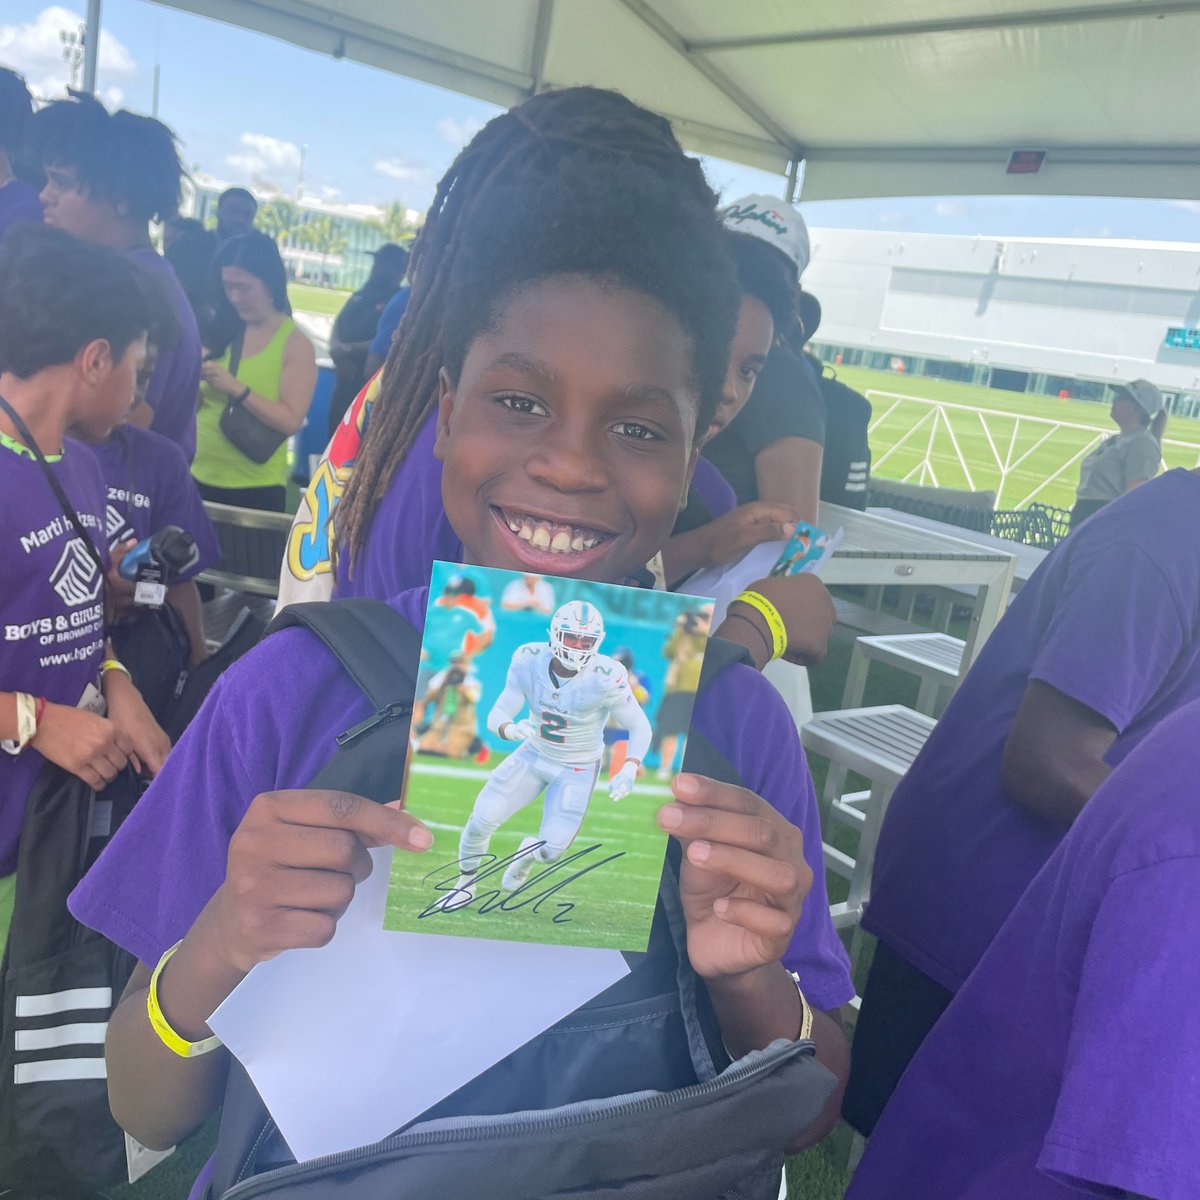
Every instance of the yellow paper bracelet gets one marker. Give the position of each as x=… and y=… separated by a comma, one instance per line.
x=169, y=1038
x=112, y=664
x=770, y=614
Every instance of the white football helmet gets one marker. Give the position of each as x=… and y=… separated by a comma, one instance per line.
x=576, y=631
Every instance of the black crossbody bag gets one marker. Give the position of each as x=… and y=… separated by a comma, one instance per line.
x=251, y=435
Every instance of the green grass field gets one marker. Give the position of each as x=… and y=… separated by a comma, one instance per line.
x=306, y=298
x=1025, y=448
x=596, y=900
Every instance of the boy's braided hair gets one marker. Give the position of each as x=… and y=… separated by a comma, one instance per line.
x=512, y=161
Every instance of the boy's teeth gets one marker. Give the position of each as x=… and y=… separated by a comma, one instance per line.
x=551, y=536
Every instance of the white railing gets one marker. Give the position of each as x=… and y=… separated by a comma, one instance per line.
x=936, y=419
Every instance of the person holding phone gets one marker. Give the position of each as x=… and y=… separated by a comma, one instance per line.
x=269, y=370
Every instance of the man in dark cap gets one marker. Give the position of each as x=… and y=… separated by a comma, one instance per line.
x=356, y=324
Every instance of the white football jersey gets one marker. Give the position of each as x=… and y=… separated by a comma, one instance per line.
x=570, y=714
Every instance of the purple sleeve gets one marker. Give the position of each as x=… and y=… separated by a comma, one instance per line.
x=748, y=722
x=1114, y=634
x=713, y=488
x=177, y=501
x=1126, y=1110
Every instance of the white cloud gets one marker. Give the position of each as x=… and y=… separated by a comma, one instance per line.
x=261, y=152
x=951, y=208
x=404, y=171
x=457, y=133
x=328, y=192
x=1190, y=206
x=35, y=48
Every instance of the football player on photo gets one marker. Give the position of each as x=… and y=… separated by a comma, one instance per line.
x=570, y=690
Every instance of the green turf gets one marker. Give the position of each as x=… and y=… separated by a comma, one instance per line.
x=309, y=299
x=603, y=897
x=1023, y=447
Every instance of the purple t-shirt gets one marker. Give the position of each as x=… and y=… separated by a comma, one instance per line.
x=51, y=604
x=1070, y=1058
x=174, y=388
x=270, y=723
x=713, y=488
x=1111, y=619
x=149, y=487
x=18, y=202
x=409, y=531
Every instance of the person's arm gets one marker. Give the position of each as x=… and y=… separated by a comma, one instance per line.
x=788, y=472
x=808, y=614
x=297, y=380
x=1054, y=756
x=90, y=747
x=184, y=598
x=725, y=539
x=374, y=362
x=743, y=884
x=508, y=704
x=294, y=863
x=148, y=744
x=628, y=714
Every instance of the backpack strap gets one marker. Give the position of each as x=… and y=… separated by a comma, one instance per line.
x=379, y=649
x=719, y=654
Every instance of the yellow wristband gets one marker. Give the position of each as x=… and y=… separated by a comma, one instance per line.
x=112, y=664
x=162, y=1026
x=770, y=614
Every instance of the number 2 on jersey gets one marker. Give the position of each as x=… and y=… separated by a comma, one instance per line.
x=553, y=725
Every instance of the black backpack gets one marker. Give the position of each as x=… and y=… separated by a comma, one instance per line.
x=633, y=1092
x=60, y=982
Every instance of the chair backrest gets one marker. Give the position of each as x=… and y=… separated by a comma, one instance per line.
x=253, y=544
x=954, y=506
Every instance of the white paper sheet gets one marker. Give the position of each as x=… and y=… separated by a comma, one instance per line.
x=721, y=584
x=349, y=1042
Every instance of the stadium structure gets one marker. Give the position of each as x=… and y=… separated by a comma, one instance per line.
x=1069, y=317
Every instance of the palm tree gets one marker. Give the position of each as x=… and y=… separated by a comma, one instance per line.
x=394, y=224
x=278, y=219
x=322, y=235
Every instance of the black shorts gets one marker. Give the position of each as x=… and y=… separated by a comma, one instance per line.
x=900, y=1005
x=1084, y=509
x=674, y=715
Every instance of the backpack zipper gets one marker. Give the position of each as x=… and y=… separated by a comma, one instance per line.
x=503, y=1126
x=387, y=714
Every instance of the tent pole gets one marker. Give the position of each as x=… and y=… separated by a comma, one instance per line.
x=91, y=46
x=793, y=173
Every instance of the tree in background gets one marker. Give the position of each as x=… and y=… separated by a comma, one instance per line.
x=278, y=219
x=321, y=235
x=395, y=224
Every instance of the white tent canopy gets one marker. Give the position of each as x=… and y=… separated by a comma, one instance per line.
x=873, y=97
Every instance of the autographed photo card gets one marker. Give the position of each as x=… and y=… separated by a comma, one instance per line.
x=549, y=717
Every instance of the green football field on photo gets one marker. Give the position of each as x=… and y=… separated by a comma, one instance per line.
x=584, y=902
x=1023, y=447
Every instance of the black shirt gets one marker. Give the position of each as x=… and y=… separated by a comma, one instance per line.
x=786, y=402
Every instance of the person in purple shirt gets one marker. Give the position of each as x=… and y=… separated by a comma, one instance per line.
x=150, y=487
x=107, y=177
x=578, y=358
x=73, y=323
x=1068, y=1062
x=18, y=200
x=1100, y=646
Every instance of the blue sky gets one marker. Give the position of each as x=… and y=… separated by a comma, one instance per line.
x=244, y=105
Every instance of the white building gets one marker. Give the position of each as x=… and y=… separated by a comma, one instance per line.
x=1024, y=314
